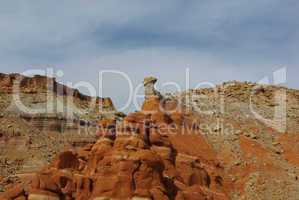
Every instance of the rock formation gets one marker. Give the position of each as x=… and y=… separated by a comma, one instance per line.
x=134, y=159
x=172, y=150
x=149, y=87
x=29, y=141
x=47, y=104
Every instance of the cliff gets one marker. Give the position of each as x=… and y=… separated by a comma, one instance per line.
x=45, y=100
x=62, y=117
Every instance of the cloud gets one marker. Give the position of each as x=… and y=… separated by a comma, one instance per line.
x=201, y=25
x=218, y=40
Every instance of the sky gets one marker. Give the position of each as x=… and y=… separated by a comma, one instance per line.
x=216, y=40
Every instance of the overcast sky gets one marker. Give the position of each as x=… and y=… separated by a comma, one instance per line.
x=217, y=40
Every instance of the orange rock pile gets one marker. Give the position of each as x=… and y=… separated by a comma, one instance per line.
x=140, y=158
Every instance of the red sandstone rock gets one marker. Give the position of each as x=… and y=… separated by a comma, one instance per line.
x=124, y=168
x=152, y=104
x=144, y=163
x=107, y=128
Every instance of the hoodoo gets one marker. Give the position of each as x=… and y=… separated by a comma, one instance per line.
x=149, y=87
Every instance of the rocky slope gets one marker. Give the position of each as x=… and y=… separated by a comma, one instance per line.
x=259, y=157
x=200, y=144
x=61, y=117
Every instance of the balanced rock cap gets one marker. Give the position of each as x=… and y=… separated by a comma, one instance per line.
x=149, y=79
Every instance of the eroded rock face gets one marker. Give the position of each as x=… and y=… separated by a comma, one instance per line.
x=17, y=83
x=58, y=117
x=138, y=161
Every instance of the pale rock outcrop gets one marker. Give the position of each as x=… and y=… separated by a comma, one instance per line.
x=149, y=87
